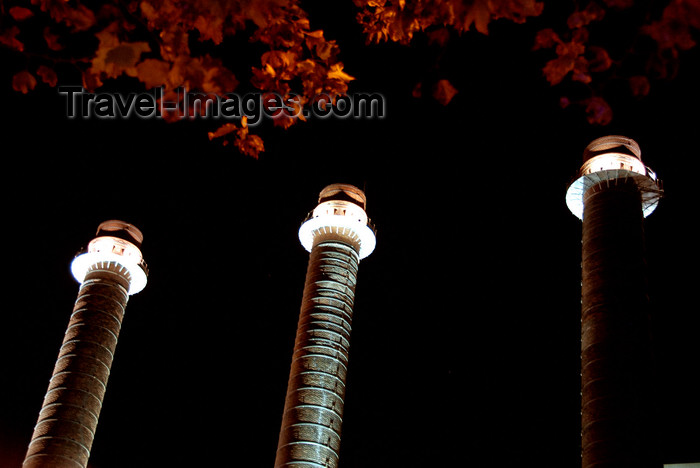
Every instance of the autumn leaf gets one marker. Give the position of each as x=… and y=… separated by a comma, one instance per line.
x=438, y=36
x=546, y=39
x=247, y=143
x=598, y=111
x=568, y=60
x=9, y=39
x=639, y=85
x=336, y=73
x=443, y=92
x=210, y=27
x=51, y=40
x=19, y=13
x=152, y=72
x=48, y=75
x=279, y=63
x=417, y=90
x=91, y=81
x=206, y=74
x=23, y=82
x=79, y=18
x=479, y=15
x=322, y=48
x=672, y=31
x=580, y=71
x=250, y=145
x=556, y=69
x=581, y=18
x=515, y=10
x=114, y=57
x=600, y=59
x=223, y=130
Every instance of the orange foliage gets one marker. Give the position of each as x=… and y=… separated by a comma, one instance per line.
x=20, y=13
x=23, y=82
x=444, y=92
x=398, y=20
x=9, y=39
x=152, y=41
x=48, y=75
x=581, y=60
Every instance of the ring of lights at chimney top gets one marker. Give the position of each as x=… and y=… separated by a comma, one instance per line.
x=578, y=188
x=82, y=263
x=612, y=166
x=367, y=238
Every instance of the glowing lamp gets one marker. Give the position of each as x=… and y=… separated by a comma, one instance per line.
x=612, y=158
x=117, y=242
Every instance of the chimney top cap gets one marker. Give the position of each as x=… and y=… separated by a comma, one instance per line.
x=343, y=192
x=122, y=230
x=612, y=144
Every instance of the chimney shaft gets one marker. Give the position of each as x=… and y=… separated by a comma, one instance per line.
x=65, y=429
x=338, y=236
x=612, y=194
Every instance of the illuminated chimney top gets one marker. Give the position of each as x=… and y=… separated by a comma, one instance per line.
x=611, y=158
x=121, y=230
x=340, y=206
x=612, y=144
x=119, y=242
x=343, y=192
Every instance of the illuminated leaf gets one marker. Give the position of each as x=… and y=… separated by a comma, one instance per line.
x=250, y=145
x=545, y=39
x=51, y=40
x=569, y=60
x=79, y=18
x=438, y=36
x=672, y=31
x=639, y=85
x=515, y=10
x=48, y=75
x=581, y=18
x=600, y=59
x=580, y=71
x=225, y=129
x=113, y=57
x=247, y=143
x=9, y=39
x=336, y=73
x=20, y=13
x=91, y=81
x=153, y=72
x=417, y=90
x=444, y=92
x=556, y=69
x=23, y=82
x=322, y=48
x=479, y=15
x=210, y=27
x=598, y=111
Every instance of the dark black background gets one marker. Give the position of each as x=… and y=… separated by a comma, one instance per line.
x=466, y=335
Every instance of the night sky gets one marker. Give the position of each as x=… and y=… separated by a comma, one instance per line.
x=465, y=346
